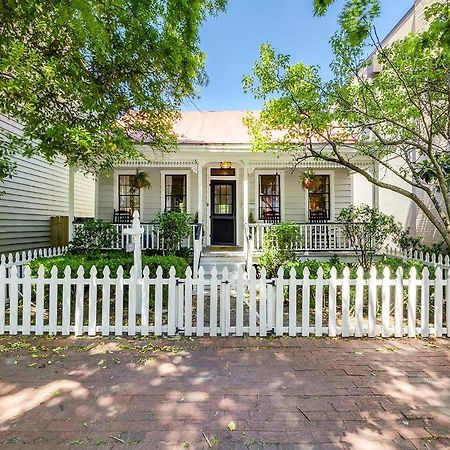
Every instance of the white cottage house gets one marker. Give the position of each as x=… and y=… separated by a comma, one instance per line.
x=233, y=192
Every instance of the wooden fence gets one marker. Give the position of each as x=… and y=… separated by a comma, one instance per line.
x=222, y=305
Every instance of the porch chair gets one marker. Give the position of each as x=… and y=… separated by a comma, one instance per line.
x=122, y=216
x=321, y=236
x=271, y=217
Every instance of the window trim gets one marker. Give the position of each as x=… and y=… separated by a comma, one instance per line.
x=187, y=174
x=331, y=174
x=116, y=191
x=280, y=173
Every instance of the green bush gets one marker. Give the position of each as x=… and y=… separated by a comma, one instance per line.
x=174, y=226
x=93, y=236
x=111, y=259
x=278, y=247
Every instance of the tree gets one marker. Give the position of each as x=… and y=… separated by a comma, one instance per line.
x=399, y=120
x=71, y=72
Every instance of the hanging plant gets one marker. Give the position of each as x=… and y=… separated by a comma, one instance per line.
x=140, y=180
x=310, y=180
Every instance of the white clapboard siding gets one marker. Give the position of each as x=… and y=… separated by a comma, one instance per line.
x=369, y=304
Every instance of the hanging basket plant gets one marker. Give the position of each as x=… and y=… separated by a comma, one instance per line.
x=310, y=180
x=140, y=180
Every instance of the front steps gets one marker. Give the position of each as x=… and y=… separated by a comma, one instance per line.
x=230, y=257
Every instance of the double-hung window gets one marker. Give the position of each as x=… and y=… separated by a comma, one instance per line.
x=129, y=196
x=269, y=198
x=319, y=199
x=175, y=193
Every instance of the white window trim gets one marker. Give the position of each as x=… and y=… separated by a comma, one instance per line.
x=116, y=192
x=331, y=174
x=282, y=192
x=188, y=187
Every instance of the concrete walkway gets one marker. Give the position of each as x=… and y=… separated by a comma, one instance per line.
x=279, y=393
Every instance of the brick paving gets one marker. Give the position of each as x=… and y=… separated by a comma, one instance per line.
x=280, y=393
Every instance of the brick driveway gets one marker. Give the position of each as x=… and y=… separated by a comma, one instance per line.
x=280, y=393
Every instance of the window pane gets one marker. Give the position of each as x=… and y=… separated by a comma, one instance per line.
x=269, y=198
x=175, y=193
x=319, y=199
x=129, y=196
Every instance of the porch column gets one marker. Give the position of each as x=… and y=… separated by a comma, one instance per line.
x=71, y=201
x=200, y=191
x=245, y=206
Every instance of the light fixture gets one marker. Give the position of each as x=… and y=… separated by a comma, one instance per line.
x=225, y=164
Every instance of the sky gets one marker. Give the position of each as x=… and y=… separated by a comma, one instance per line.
x=231, y=42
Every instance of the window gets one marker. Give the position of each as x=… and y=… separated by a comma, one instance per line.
x=175, y=193
x=319, y=199
x=129, y=196
x=269, y=198
x=223, y=199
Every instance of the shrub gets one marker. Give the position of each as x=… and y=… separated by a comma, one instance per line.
x=93, y=236
x=278, y=247
x=174, y=226
x=367, y=229
x=111, y=259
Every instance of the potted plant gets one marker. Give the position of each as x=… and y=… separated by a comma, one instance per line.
x=140, y=180
x=310, y=180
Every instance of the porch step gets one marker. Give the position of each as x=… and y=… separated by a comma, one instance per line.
x=232, y=259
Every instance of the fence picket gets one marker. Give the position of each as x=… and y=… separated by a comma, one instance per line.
x=158, y=301
x=279, y=302
x=332, y=303
x=118, y=311
x=224, y=303
x=213, y=302
x=132, y=300
x=188, y=303
x=359, y=305
x=262, y=300
x=2, y=296
x=171, y=313
x=92, y=316
x=26, y=299
x=438, y=290
x=240, y=302
x=292, y=302
x=145, y=303
x=372, y=302
x=319, y=303
x=412, y=295
x=200, y=301
x=39, y=327
x=270, y=303
x=79, y=300
x=346, y=303
x=13, y=300
x=252, y=302
x=67, y=282
x=385, y=302
x=106, y=300
x=399, y=303
x=425, y=304
x=305, y=302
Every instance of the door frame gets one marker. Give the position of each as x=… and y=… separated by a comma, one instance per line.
x=238, y=200
x=233, y=184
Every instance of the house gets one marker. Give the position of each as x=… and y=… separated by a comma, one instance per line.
x=217, y=178
x=37, y=192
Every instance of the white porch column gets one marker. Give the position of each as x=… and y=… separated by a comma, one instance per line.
x=245, y=205
x=71, y=201
x=200, y=191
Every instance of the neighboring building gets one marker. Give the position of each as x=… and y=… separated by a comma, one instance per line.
x=38, y=191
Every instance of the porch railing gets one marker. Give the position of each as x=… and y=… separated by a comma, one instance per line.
x=151, y=238
x=313, y=237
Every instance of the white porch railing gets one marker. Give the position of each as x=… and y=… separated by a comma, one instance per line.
x=313, y=237
x=151, y=239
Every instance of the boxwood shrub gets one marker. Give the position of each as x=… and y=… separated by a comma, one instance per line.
x=111, y=259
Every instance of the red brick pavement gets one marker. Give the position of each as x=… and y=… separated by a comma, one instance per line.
x=281, y=393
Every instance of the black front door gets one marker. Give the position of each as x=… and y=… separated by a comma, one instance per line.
x=223, y=212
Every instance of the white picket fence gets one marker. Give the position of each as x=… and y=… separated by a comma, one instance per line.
x=223, y=305
x=428, y=259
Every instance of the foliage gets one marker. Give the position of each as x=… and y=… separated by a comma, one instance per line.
x=111, y=259
x=278, y=245
x=174, y=226
x=93, y=236
x=367, y=229
x=415, y=243
x=72, y=71
x=397, y=120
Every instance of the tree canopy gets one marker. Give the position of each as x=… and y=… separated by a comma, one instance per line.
x=398, y=120
x=71, y=72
